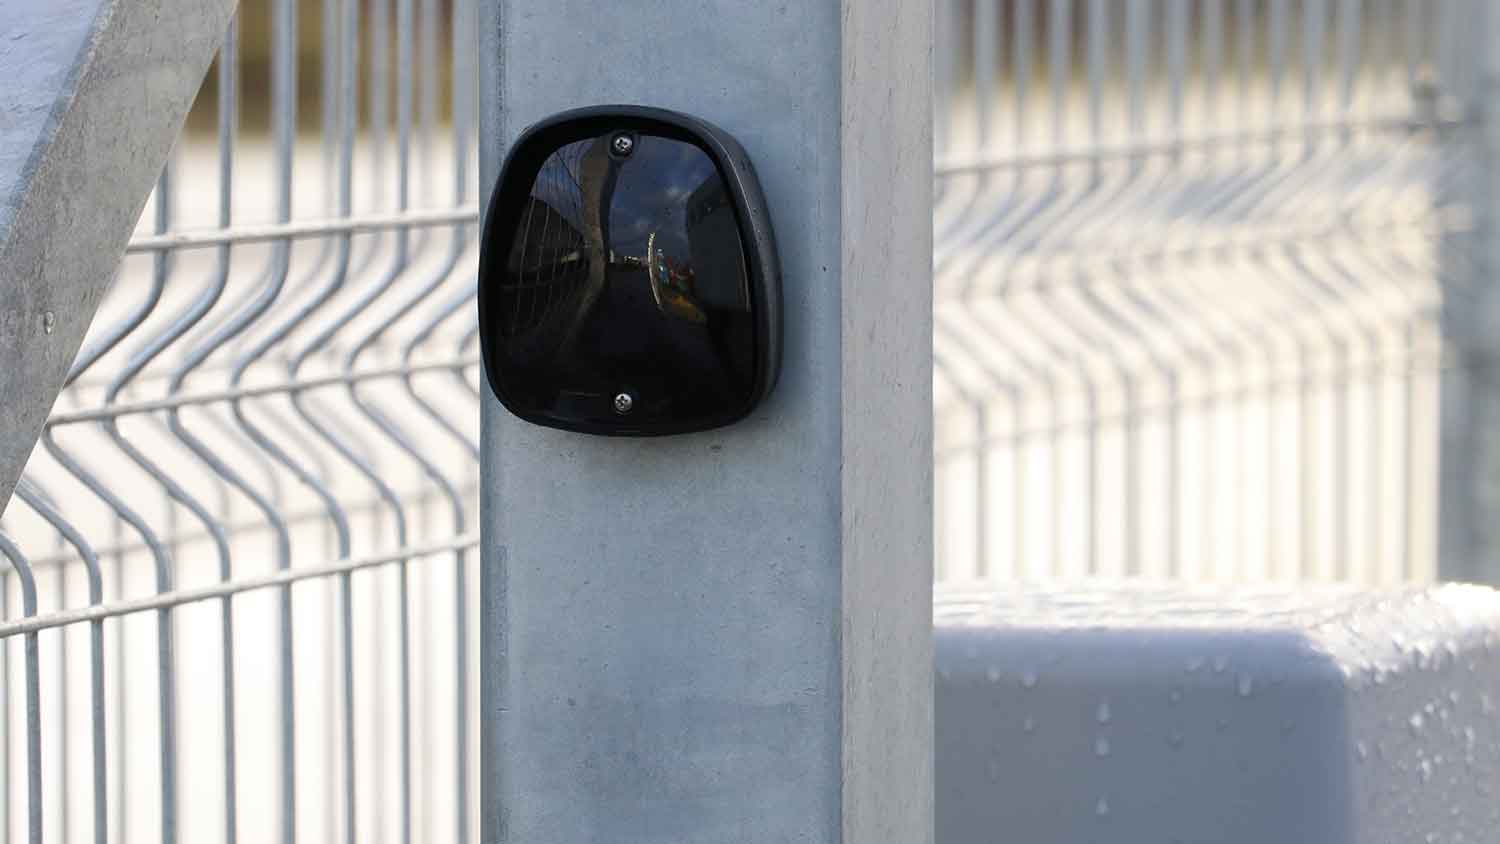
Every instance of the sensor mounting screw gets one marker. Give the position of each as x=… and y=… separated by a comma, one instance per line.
x=623, y=144
x=624, y=403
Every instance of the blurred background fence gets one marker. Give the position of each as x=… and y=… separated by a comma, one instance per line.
x=261, y=481
x=1191, y=263
x=1195, y=268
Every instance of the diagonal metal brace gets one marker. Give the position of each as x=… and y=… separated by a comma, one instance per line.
x=94, y=94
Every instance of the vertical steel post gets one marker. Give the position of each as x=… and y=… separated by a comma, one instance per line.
x=1469, y=478
x=726, y=637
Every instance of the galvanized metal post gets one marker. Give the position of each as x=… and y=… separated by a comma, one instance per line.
x=1469, y=480
x=95, y=93
x=726, y=637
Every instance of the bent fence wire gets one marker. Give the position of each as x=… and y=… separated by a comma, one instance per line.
x=1189, y=261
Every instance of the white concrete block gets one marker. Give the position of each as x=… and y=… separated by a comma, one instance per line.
x=1173, y=714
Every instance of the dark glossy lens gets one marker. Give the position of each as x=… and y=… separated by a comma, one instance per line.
x=625, y=274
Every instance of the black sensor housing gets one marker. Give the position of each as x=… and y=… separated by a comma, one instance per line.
x=628, y=277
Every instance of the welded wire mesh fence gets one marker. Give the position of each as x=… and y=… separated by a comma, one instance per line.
x=1190, y=256
x=240, y=604
x=1190, y=262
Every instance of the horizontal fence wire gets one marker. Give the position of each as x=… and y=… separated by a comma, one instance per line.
x=1190, y=260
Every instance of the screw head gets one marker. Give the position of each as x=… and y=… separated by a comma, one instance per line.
x=624, y=403
x=623, y=144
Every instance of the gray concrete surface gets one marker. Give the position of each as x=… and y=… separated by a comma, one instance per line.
x=725, y=637
x=95, y=92
x=1300, y=715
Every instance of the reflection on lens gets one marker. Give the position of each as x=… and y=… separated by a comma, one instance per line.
x=627, y=274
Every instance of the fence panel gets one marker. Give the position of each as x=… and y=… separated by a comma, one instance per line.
x=240, y=601
x=1190, y=263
